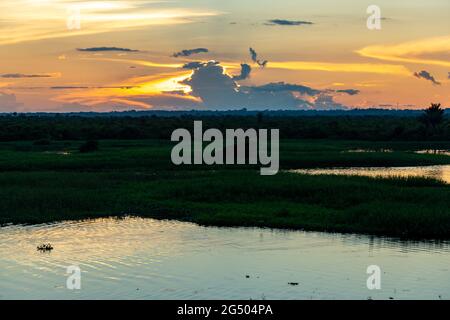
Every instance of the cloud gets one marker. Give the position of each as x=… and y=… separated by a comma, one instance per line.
x=342, y=67
x=171, y=101
x=87, y=87
x=449, y=75
x=8, y=103
x=282, y=22
x=284, y=87
x=103, y=49
x=70, y=87
x=350, y=92
x=201, y=85
x=245, y=72
x=198, y=64
x=219, y=91
x=49, y=18
x=140, y=62
x=427, y=76
x=254, y=56
x=411, y=52
x=21, y=75
x=140, y=92
x=326, y=102
x=189, y=52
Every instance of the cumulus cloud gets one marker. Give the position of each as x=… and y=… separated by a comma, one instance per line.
x=245, y=72
x=282, y=22
x=102, y=49
x=217, y=90
x=254, y=57
x=8, y=102
x=190, y=52
x=21, y=75
x=427, y=76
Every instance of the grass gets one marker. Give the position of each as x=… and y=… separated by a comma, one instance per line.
x=155, y=155
x=136, y=177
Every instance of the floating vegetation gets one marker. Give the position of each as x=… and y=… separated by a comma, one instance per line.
x=45, y=247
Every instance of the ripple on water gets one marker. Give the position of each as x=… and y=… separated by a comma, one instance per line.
x=139, y=258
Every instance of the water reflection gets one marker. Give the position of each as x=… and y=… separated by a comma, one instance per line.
x=368, y=151
x=434, y=151
x=439, y=172
x=135, y=258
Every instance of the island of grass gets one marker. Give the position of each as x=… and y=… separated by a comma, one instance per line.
x=54, y=181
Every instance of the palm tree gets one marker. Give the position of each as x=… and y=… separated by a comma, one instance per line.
x=433, y=116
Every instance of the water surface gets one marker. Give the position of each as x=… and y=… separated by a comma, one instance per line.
x=440, y=172
x=136, y=258
x=434, y=151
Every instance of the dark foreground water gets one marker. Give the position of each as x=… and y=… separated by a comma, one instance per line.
x=135, y=258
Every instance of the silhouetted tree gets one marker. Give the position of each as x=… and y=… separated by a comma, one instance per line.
x=433, y=116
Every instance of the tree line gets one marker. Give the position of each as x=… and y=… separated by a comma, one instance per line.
x=431, y=125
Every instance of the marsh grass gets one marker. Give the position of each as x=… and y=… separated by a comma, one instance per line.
x=136, y=177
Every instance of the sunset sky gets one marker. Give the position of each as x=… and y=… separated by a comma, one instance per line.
x=195, y=54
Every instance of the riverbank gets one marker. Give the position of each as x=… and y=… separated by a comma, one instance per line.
x=135, y=178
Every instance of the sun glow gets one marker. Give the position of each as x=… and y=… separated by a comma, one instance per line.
x=128, y=91
x=173, y=84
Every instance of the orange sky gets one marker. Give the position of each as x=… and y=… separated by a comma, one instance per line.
x=321, y=44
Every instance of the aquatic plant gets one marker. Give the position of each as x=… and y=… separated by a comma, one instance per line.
x=45, y=247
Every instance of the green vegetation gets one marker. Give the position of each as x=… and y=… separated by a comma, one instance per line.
x=43, y=182
x=89, y=146
x=433, y=117
x=433, y=125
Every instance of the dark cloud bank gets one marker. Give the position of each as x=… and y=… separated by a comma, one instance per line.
x=103, y=49
x=282, y=22
x=21, y=75
x=220, y=91
x=350, y=92
x=189, y=52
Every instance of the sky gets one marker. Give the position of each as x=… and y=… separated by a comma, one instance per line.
x=71, y=55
